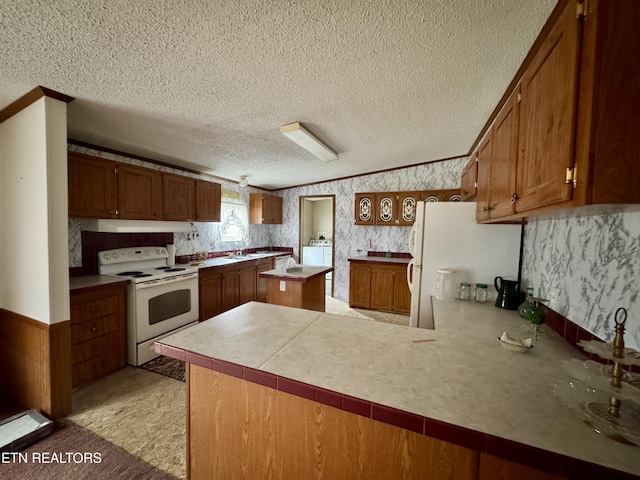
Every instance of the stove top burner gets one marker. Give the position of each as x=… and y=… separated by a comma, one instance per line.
x=175, y=270
x=140, y=275
x=129, y=274
x=163, y=268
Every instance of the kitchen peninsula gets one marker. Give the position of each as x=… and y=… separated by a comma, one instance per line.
x=304, y=288
x=278, y=392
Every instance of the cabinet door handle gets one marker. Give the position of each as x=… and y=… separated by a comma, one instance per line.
x=94, y=329
x=514, y=198
x=487, y=208
x=94, y=348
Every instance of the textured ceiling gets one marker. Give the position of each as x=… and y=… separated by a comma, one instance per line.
x=206, y=84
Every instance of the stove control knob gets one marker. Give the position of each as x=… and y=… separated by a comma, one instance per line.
x=158, y=251
x=115, y=255
x=164, y=251
x=106, y=256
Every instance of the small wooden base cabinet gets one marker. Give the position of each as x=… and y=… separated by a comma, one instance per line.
x=379, y=286
x=98, y=333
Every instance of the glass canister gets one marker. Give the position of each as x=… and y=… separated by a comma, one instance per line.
x=464, y=291
x=481, y=293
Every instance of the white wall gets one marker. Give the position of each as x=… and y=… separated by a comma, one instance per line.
x=323, y=217
x=33, y=212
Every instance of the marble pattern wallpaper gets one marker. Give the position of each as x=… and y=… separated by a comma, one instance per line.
x=350, y=238
x=587, y=266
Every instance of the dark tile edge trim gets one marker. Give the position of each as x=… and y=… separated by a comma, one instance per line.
x=550, y=462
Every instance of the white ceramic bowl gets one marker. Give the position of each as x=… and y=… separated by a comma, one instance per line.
x=521, y=346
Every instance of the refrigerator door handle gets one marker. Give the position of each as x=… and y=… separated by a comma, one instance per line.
x=412, y=240
x=409, y=276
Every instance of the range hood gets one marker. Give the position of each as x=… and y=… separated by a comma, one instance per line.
x=133, y=226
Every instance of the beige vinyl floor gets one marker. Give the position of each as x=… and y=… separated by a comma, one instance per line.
x=145, y=413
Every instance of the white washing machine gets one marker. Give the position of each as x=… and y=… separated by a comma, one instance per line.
x=320, y=253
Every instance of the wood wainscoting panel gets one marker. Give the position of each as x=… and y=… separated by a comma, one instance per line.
x=37, y=363
x=240, y=429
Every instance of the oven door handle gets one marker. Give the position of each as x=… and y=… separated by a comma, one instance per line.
x=166, y=281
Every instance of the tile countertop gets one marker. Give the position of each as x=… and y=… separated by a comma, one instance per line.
x=87, y=282
x=307, y=273
x=375, y=259
x=223, y=261
x=461, y=376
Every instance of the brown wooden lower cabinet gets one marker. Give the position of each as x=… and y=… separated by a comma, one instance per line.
x=240, y=429
x=379, y=286
x=494, y=468
x=226, y=287
x=98, y=333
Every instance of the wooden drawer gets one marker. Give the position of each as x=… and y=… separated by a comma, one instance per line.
x=95, y=368
x=94, y=309
x=94, y=348
x=81, y=332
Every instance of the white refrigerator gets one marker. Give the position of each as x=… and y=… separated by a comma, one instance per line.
x=446, y=235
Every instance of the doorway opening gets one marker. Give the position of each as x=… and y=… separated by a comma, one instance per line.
x=316, y=239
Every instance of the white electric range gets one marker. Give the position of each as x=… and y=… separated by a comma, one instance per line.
x=161, y=298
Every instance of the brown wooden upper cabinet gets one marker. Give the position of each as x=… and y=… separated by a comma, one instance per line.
x=208, y=201
x=407, y=207
x=567, y=136
x=179, y=197
x=93, y=187
x=396, y=208
x=101, y=188
x=386, y=208
x=364, y=209
x=265, y=209
x=469, y=180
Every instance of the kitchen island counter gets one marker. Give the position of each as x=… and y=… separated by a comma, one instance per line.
x=455, y=383
x=304, y=288
x=306, y=274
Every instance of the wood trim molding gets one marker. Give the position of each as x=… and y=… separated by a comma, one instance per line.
x=37, y=363
x=31, y=97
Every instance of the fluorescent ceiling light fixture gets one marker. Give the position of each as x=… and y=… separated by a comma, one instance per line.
x=298, y=134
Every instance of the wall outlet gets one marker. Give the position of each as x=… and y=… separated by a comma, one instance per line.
x=283, y=285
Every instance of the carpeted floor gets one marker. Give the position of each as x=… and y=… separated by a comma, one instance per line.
x=74, y=453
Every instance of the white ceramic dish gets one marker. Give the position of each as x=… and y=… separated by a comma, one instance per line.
x=514, y=344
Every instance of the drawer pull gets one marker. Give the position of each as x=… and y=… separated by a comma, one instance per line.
x=94, y=329
x=94, y=368
x=93, y=309
x=94, y=348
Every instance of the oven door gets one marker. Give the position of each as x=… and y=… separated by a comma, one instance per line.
x=164, y=305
